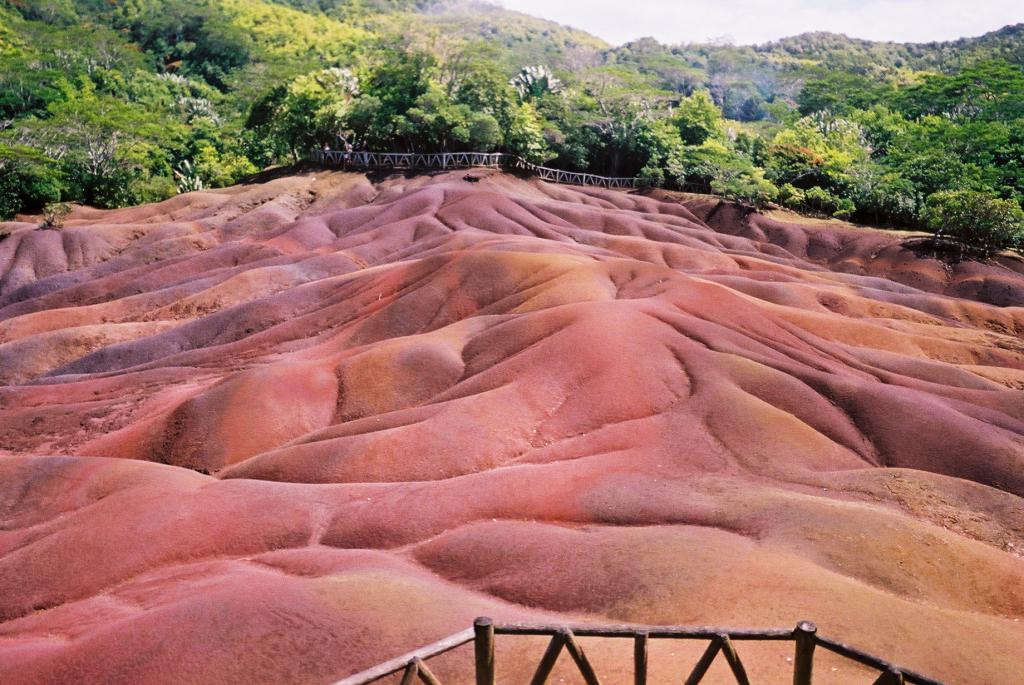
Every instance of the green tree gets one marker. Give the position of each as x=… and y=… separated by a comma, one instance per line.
x=311, y=111
x=884, y=196
x=698, y=118
x=534, y=82
x=193, y=37
x=841, y=93
x=738, y=179
x=107, y=151
x=991, y=90
x=975, y=220
x=820, y=151
x=438, y=124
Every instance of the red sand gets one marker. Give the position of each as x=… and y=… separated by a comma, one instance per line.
x=281, y=432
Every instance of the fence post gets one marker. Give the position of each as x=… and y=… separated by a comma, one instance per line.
x=640, y=658
x=483, y=629
x=803, y=662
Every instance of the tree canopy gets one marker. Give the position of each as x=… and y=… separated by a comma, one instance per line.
x=119, y=103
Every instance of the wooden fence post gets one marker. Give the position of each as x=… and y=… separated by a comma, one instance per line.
x=640, y=658
x=803, y=661
x=483, y=629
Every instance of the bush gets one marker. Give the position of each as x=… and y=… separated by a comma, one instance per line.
x=154, y=189
x=975, y=220
x=27, y=182
x=54, y=215
x=816, y=200
x=742, y=182
x=651, y=177
x=108, y=188
x=791, y=197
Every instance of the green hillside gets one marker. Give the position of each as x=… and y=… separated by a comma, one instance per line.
x=116, y=102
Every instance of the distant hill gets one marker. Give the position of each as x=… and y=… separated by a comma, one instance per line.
x=274, y=38
x=736, y=74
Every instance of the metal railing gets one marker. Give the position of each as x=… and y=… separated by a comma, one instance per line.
x=720, y=640
x=465, y=160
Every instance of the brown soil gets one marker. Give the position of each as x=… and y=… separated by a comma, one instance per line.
x=282, y=432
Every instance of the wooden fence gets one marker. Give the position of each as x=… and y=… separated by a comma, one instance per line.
x=465, y=160
x=720, y=641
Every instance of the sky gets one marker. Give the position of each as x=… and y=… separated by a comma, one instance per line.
x=758, y=21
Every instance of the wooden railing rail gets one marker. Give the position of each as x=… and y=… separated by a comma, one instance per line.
x=402, y=663
x=464, y=160
x=564, y=637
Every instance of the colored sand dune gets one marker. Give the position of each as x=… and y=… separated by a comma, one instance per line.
x=282, y=432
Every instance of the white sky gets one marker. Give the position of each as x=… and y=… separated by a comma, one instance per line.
x=758, y=21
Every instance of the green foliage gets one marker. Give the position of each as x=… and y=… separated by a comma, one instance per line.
x=311, y=111
x=815, y=200
x=739, y=180
x=436, y=123
x=698, y=118
x=975, y=220
x=818, y=150
x=193, y=39
x=884, y=196
x=651, y=176
x=991, y=90
x=114, y=103
x=28, y=181
x=842, y=92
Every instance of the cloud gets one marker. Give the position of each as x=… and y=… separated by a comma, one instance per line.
x=757, y=21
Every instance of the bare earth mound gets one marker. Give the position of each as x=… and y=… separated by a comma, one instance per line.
x=281, y=432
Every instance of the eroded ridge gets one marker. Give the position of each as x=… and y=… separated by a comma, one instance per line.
x=284, y=431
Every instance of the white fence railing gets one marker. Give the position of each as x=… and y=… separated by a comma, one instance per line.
x=465, y=160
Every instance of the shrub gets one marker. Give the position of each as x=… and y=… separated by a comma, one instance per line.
x=817, y=200
x=744, y=183
x=188, y=179
x=27, y=182
x=791, y=197
x=651, y=177
x=218, y=169
x=154, y=189
x=975, y=219
x=54, y=215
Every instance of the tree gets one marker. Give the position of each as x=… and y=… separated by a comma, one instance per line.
x=534, y=82
x=698, y=118
x=841, y=93
x=108, y=152
x=621, y=138
x=311, y=111
x=192, y=37
x=990, y=90
x=484, y=89
x=884, y=196
x=975, y=220
x=737, y=179
x=437, y=124
x=820, y=151
x=54, y=215
x=525, y=135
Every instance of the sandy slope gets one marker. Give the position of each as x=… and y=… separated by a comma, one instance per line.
x=284, y=431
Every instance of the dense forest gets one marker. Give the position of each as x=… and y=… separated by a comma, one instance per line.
x=118, y=102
